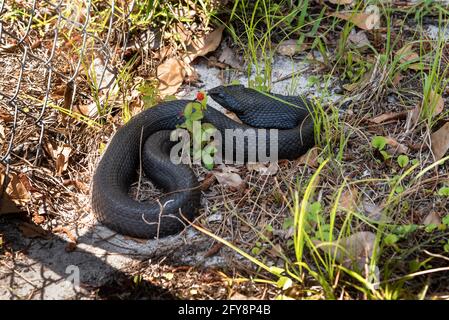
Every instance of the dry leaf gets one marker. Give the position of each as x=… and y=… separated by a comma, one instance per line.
x=204, y=45
x=290, y=47
x=440, y=141
x=372, y=210
x=359, y=39
x=230, y=179
x=432, y=218
x=368, y=20
x=263, y=169
x=228, y=57
x=354, y=251
x=67, y=232
x=5, y=116
x=88, y=110
x=30, y=230
x=38, y=219
x=407, y=55
x=170, y=74
x=348, y=199
x=398, y=147
x=341, y=1
x=16, y=191
x=310, y=158
x=69, y=92
x=389, y=116
x=60, y=154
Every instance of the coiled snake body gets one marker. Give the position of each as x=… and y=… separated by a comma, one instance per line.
x=119, y=164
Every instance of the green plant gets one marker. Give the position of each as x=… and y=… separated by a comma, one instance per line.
x=200, y=132
x=402, y=160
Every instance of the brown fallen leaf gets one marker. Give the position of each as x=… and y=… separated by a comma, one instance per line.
x=5, y=116
x=60, y=154
x=88, y=110
x=368, y=20
x=69, y=92
x=359, y=39
x=440, y=141
x=230, y=179
x=214, y=250
x=16, y=191
x=263, y=169
x=389, y=116
x=67, y=232
x=349, y=199
x=229, y=57
x=408, y=56
x=170, y=74
x=310, y=158
x=38, y=219
x=30, y=230
x=81, y=186
x=204, y=45
x=291, y=47
x=398, y=147
x=341, y=1
x=432, y=218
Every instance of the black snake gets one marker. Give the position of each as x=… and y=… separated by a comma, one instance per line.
x=118, y=167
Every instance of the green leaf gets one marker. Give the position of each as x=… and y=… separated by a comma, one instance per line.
x=444, y=191
x=385, y=154
x=391, y=239
x=446, y=247
x=430, y=227
x=288, y=222
x=276, y=270
x=403, y=161
x=378, y=142
x=399, y=189
x=445, y=220
x=188, y=110
x=284, y=283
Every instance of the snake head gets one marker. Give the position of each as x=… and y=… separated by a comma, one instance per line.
x=228, y=97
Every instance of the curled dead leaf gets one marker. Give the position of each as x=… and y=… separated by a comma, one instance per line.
x=368, y=20
x=389, y=116
x=432, y=218
x=440, y=141
x=170, y=74
x=204, y=45
x=16, y=190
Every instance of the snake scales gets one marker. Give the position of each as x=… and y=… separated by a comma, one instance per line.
x=118, y=167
